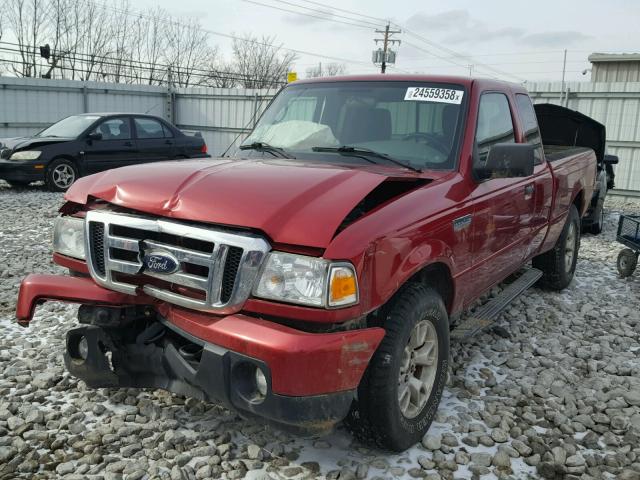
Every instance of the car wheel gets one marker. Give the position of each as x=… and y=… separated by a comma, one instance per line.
x=559, y=264
x=60, y=175
x=627, y=262
x=400, y=391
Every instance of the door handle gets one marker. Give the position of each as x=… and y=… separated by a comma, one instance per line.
x=528, y=189
x=128, y=144
x=168, y=142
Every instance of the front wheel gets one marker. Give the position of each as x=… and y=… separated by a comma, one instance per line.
x=559, y=264
x=60, y=175
x=627, y=262
x=402, y=386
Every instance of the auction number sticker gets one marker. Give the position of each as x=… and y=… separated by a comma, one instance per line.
x=433, y=94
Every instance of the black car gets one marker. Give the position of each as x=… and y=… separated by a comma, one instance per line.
x=88, y=143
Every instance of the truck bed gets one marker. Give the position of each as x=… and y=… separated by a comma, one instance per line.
x=553, y=153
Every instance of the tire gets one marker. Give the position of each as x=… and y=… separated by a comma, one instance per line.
x=627, y=262
x=377, y=416
x=18, y=183
x=60, y=175
x=558, y=265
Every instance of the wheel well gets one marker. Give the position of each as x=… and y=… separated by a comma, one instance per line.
x=64, y=157
x=438, y=277
x=578, y=201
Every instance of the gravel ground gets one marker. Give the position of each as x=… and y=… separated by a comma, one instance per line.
x=552, y=392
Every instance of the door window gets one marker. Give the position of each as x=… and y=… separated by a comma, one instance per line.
x=495, y=124
x=114, y=129
x=530, y=125
x=149, y=128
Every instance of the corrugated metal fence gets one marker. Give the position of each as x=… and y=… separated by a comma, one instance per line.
x=27, y=105
x=617, y=106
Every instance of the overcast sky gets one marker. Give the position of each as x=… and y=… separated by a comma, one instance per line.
x=525, y=40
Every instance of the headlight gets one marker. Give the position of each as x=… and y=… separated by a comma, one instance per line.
x=26, y=155
x=68, y=237
x=307, y=281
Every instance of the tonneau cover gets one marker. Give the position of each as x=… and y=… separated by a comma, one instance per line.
x=563, y=126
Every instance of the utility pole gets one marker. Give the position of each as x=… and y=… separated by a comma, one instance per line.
x=564, y=70
x=385, y=46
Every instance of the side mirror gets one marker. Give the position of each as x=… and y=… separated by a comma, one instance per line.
x=507, y=160
x=95, y=136
x=610, y=159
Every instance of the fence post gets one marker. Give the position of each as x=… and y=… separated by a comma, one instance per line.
x=255, y=108
x=85, y=98
x=170, y=110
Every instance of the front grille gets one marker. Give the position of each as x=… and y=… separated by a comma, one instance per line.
x=215, y=269
x=234, y=256
x=96, y=246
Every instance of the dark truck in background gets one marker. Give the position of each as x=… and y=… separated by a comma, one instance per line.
x=321, y=274
x=83, y=144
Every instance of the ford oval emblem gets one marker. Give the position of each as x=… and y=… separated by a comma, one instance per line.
x=160, y=262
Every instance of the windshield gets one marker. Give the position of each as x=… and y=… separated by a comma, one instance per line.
x=69, y=127
x=415, y=123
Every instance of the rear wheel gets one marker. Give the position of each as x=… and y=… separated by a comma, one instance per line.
x=401, y=389
x=61, y=174
x=627, y=262
x=559, y=264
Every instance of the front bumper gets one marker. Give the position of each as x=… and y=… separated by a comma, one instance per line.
x=22, y=171
x=311, y=377
x=215, y=374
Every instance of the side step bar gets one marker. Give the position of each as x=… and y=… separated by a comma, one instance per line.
x=489, y=312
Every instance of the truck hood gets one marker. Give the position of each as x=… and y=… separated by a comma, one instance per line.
x=292, y=202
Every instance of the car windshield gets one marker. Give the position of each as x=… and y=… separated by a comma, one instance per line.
x=69, y=127
x=417, y=124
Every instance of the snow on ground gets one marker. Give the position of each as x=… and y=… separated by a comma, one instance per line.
x=552, y=392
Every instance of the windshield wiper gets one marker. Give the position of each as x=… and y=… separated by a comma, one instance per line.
x=265, y=147
x=361, y=151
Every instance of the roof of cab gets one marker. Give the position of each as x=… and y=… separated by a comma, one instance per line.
x=484, y=83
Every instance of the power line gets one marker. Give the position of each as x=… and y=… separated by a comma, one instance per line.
x=282, y=9
x=224, y=35
x=139, y=64
x=382, y=20
x=325, y=14
x=431, y=43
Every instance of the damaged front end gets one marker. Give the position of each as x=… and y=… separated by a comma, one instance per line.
x=300, y=380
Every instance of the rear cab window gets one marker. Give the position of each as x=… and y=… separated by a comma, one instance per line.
x=530, y=125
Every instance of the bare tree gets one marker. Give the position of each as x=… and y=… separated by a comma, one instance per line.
x=221, y=74
x=327, y=70
x=27, y=20
x=260, y=63
x=186, y=51
x=92, y=41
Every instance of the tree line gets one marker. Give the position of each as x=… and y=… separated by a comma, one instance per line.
x=91, y=41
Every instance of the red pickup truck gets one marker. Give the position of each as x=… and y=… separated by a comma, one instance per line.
x=320, y=274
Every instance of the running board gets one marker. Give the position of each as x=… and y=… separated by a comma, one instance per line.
x=489, y=312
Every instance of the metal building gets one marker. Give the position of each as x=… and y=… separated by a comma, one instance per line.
x=608, y=67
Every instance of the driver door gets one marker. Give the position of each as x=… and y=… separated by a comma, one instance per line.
x=115, y=148
x=503, y=207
